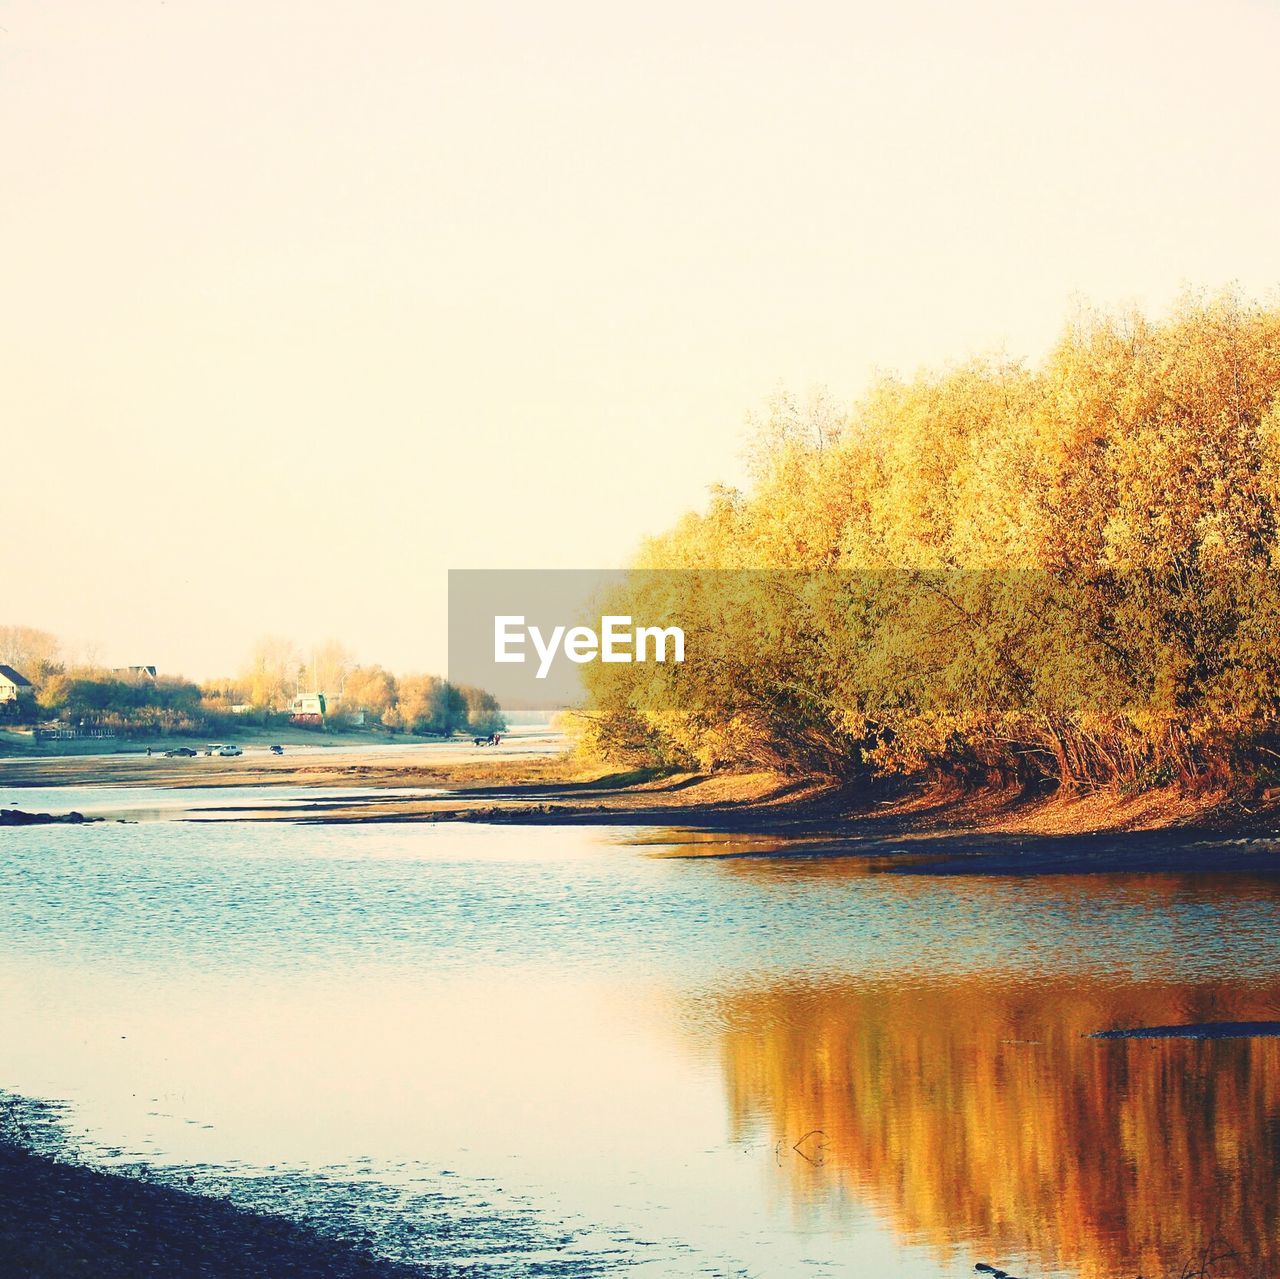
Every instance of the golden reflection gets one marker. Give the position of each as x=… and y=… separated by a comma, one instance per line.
x=984, y=1113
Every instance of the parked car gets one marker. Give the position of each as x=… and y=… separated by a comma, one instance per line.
x=276, y=750
x=228, y=752
x=181, y=752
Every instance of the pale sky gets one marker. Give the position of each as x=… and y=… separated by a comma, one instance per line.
x=308, y=301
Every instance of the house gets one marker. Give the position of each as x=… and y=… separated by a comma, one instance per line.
x=308, y=709
x=14, y=687
x=308, y=704
x=148, y=671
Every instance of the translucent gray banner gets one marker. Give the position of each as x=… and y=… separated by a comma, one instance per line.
x=881, y=644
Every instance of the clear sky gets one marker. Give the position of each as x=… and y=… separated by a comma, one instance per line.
x=307, y=301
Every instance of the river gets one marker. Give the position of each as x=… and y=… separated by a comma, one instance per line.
x=571, y=1051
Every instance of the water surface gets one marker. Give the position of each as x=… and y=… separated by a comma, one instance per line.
x=552, y=1051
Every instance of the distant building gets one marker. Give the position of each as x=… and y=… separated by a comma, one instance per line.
x=148, y=671
x=307, y=708
x=241, y=708
x=14, y=687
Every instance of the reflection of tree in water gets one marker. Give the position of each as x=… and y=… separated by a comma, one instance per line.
x=967, y=1110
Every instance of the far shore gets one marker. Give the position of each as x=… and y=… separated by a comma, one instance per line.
x=530, y=779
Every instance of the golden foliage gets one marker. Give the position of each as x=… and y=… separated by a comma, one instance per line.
x=1064, y=573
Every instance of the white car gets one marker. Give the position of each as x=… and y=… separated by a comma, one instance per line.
x=229, y=752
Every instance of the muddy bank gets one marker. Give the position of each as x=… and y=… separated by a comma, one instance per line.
x=58, y=1219
x=907, y=829
x=17, y=817
x=915, y=832
x=760, y=818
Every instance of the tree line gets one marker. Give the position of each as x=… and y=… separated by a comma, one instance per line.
x=1060, y=574
x=262, y=692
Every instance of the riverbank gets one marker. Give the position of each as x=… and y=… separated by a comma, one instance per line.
x=59, y=1219
x=531, y=780
x=529, y=756
x=925, y=830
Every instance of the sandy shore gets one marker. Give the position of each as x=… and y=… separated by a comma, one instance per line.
x=416, y=763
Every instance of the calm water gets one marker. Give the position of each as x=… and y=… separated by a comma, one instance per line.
x=555, y=1052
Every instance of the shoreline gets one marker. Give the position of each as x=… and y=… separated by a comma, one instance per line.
x=916, y=830
x=60, y=1218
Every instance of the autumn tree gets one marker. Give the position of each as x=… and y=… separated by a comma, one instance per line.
x=431, y=705
x=483, y=714
x=1064, y=573
x=33, y=653
x=271, y=673
x=370, y=690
